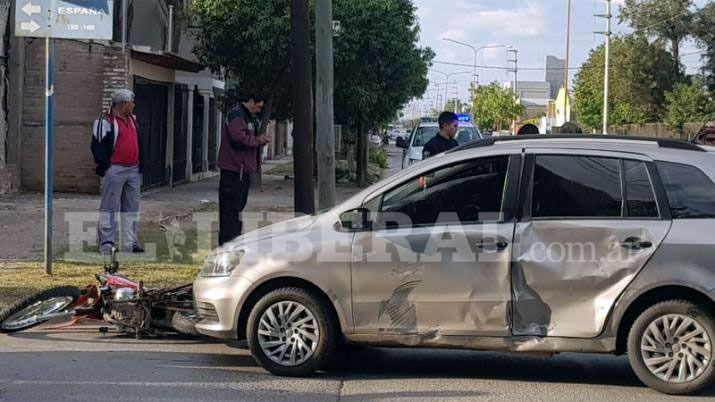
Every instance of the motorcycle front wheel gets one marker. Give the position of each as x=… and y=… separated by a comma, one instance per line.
x=37, y=308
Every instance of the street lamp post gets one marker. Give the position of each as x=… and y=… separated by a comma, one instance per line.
x=446, y=85
x=476, y=50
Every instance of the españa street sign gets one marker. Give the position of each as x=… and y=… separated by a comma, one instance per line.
x=67, y=19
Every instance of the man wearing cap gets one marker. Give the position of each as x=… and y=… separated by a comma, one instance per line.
x=115, y=146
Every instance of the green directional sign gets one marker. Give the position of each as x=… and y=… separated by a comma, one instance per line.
x=66, y=19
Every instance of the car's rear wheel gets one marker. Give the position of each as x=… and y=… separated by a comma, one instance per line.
x=670, y=347
x=291, y=332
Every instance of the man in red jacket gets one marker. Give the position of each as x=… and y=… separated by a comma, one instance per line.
x=237, y=159
x=115, y=146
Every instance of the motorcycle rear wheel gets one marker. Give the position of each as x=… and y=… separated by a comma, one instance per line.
x=33, y=310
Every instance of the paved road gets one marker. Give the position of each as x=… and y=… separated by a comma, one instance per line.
x=82, y=365
x=395, y=160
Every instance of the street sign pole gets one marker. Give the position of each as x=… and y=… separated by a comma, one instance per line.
x=49, y=132
x=64, y=19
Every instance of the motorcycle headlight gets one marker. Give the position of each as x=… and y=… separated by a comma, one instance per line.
x=222, y=264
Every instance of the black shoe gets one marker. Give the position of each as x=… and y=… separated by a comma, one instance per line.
x=137, y=250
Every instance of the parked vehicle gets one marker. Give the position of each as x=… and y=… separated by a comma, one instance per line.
x=425, y=131
x=116, y=299
x=551, y=244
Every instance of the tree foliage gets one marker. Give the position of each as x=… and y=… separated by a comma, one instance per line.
x=248, y=39
x=640, y=75
x=667, y=21
x=494, y=106
x=378, y=65
x=689, y=103
x=704, y=30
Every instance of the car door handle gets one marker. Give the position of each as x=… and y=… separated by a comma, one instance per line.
x=493, y=245
x=634, y=243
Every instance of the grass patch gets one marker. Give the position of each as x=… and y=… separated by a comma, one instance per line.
x=177, y=242
x=20, y=279
x=285, y=169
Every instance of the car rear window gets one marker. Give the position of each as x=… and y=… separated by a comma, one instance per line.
x=691, y=193
x=576, y=187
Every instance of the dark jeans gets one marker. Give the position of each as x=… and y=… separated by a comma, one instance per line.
x=232, y=197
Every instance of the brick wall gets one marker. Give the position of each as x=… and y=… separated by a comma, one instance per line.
x=84, y=78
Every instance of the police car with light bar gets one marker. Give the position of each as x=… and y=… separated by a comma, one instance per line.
x=427, y=129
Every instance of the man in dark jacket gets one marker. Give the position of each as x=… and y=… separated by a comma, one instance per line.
x=115, y=146
x=444, y=139
x=238, y=159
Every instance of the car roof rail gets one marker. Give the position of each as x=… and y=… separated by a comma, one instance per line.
x=661, y=142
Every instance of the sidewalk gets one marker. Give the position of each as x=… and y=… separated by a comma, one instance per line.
x=22, y=216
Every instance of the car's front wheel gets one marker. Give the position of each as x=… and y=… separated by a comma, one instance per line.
x=670, y=347
x=291, y=332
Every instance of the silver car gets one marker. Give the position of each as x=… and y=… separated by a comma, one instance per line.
x=523, y=244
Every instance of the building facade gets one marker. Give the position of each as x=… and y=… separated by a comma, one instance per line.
x=178, y=107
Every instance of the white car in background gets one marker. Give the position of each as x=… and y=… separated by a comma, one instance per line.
x=398, y=133
x=425, y=131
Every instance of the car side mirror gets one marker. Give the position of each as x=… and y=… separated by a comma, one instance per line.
x=401, y=142
x=356, y=220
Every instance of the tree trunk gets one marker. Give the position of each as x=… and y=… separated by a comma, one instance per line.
x=4, y=23
x=361, y=153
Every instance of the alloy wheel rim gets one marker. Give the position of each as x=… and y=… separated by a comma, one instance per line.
x=288, y=333
x=676, y=348
x=35, y=312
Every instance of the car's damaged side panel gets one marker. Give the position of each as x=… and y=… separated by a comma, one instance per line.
x=568, y=274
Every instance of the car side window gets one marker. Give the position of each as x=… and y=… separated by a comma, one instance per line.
x=690, y=192
x=640, y=197
x=462, y=193
x=576, y=187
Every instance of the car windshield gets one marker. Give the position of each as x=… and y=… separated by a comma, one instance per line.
x=464, y=135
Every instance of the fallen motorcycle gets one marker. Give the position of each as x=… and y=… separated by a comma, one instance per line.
x=116, y=299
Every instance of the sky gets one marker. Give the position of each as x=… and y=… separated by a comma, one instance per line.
x=535, y=28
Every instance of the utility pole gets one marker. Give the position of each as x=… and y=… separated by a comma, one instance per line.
x=567, y=114
x=302, y=108
x=514, y=70
x=324, y=103
x=607, y=34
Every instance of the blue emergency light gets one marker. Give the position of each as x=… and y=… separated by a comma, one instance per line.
x=464, y=117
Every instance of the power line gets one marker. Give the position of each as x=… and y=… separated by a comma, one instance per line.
x=546, y=68
x=501, y=68
x=692, y=53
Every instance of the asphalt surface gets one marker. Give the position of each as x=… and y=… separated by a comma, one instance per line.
x=80, y=364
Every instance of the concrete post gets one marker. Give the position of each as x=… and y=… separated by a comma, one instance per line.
x=324, y=103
